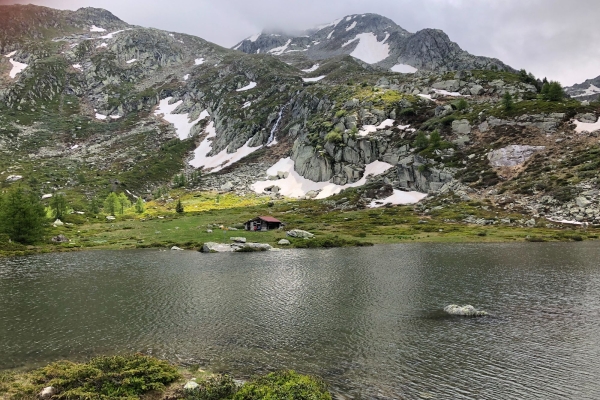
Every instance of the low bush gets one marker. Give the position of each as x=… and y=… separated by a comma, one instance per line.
x=117, y=377
x=285, y=385
x=214, y=388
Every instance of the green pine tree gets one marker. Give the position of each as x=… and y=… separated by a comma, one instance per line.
x=22, y=216
x=179, y=207
x=140, y=206
x=435, y=140
x=124, y=203
x=58, y=203
x=111, y=204
x=507, y=102
x=421, y=142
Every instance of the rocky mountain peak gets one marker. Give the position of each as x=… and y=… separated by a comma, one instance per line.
x=588, y=90
x=375, y=40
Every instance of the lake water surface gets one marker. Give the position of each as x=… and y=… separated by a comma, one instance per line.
x=368, y=320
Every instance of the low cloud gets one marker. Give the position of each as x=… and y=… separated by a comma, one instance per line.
x=551, y=38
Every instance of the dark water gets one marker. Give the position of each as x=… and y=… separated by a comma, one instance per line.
x=368, y=320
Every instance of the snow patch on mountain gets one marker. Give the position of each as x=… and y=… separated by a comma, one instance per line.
x=404, y=69
x=311, y=69
x=399, y=198
x=182, y=123
x=102, y=45
x=251, y=85
x=280, y=50
x=369, y=49
x=318, y=78
x=586, y=126
x=100, y=116
x=199, y=61
x=78, y=66
x=221, y=160
x=352, y=26
x=592, y=90
x=297, y=186
x=131, y=61
x=254, y=38
x=112, y=34
x=94, y=28
x=17, y=67
x=186, y=77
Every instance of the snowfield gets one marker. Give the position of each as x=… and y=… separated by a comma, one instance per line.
x=280, y=50
x=404, y=69
x=254, y=38
x=592, y=90
x=311, y=69
x=446, y=93
x=369, y=49
x=352, y=26
x=199, y=61
x=112, y=34
x=132, y=61
x=186, y=77
x=586, y=126
x=388, y=123
x=94, y=28
x=252, y=85
x=17, y=68
x=399, y=198
x=221, y=160
x=296, y=186
x=102, y=45
x=318, y=78
x=247, y=104
x=182, y=123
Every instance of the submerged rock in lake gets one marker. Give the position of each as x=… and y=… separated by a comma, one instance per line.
x=464, y=311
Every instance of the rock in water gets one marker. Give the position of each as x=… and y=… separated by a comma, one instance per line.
x=464, y=311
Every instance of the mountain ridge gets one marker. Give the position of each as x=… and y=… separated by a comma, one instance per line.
x=377, y=40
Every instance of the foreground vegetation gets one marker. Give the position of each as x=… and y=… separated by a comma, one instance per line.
x=143, y=377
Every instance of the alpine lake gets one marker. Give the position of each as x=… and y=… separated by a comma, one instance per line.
x=369, y=321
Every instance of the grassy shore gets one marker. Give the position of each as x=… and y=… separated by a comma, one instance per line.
x=213, y=217
x=143, y=377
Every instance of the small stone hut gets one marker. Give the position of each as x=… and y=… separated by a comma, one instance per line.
x=264, y=224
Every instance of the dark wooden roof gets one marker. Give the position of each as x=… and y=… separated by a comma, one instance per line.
x=267, y=219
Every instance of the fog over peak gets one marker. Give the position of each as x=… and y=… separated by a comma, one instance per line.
x=551, y=38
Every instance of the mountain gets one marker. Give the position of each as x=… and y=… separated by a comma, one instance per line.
x=375, y=40
x=588, y=90
x=91, y=104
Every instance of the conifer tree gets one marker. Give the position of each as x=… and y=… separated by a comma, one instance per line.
x=22, y=216
x=139, y=206
x=179, y=207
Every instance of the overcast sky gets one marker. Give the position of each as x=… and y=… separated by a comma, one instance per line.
x=558, y=39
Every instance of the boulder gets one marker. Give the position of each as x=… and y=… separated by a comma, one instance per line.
x=58, y=222
x=511, y=156
x=450, y=86
x=60, y=239
x=298, y=233
x=464, y=311
x=284, y=242
x=477, y=90
x=582, y=202
x=212, y=247
x=111, y=218
x=175, y=248
x=46, y=196
x=47, y=393
x=13, y=178
x=259, y=246
x=461, y=127
x=209, y=231
x=227, y=187
x=238, y=239
x=589, y=118
x=190, y=385
x=282, y=174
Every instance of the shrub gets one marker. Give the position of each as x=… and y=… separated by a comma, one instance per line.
x=334, y=137
x=214, y=388
x=507, y=102
x=102, y=378
x=421, y=142
x=286, y=385
x=22, y=216
x=553, y=91
x=462, y=105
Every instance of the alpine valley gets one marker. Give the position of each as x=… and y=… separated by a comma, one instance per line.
x=327, y=131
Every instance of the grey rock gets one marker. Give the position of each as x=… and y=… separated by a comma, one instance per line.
x=60, y=239
x=284, y=242
x=13, y=178
x=175, y=248
x=47, y=393
x=582, y=202
x=412, y=176
x=211, y=247
x=589, y=118
x=477, y=90
x=461, y=127
x=228, y=187
x=298, y=233
x=238, y=239
x=258, y=246
x=191, y=385
x=513, y=155
x=58, y=222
